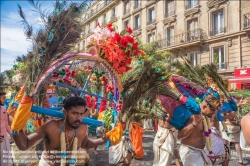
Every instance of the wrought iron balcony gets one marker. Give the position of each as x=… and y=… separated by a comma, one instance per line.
x=136, y=27
x=99, y=8
x=191, y=5
x=151, y=21
x=182, y=38
x=246, y=20
x=221, y=66
x=170, y=13
x=112, y=17
x=218, y=31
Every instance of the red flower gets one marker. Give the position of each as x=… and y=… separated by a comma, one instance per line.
x=130, y=39
x=124, y=42
x=109, y=26
x=117, y=37
x=135, y=46
x=129, y=30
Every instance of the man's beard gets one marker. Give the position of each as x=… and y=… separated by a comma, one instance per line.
x=72, y=124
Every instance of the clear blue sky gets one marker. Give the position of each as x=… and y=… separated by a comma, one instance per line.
x=13, y=41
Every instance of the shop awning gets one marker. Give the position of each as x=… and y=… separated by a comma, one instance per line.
x=239, y=80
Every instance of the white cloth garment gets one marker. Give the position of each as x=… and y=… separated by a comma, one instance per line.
x=163, y=146
x=218, y=146
x=117, y=152
x=192, y=156
x=42, y=162
x=20, y=157
x=5, y=153
x=243, y=144
x=148, y=124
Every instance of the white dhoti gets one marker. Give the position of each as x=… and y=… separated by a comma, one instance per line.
x=163, y=146
x=243, y=144
x=117, y=152
x=218, y=146
x=234, y=133
x=192, y=156
x=20, y=157
x=147, y=124
x=5, y=153
x=42, y=162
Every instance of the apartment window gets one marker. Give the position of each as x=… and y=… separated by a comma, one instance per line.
x=169, y=8
x=151, y=15
x=91, y=12
x=78, y=47
x=125, y=24
x=113, y=12
x=218, y=57
x=83, y=31
x=105, y=2
x=98, y=7
x=104, y=19
x=151, y=37
x=193, y=58
x=137, y=4
x=96, y=22
x=83, y=45
x=218, y=23
x=191, y=3
x=126, y=7
x=192, y=29
x=137, y=22
x=89, y=28
x=170, y=36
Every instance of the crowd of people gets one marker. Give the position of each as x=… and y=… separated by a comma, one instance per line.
x=50, y=138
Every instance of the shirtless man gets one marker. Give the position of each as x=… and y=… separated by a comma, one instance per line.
x=165, y=145
x=245, y=125
x=74, y=109
x=192, y=136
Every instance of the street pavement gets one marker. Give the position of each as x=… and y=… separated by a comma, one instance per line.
x=102, y=158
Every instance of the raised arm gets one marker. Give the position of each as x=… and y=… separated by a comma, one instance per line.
x=88, y=143
x=25, y=142
x=192, y=123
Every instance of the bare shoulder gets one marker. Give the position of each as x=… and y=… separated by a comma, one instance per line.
x=52, y=124
x=245, y=120
x=82, y=128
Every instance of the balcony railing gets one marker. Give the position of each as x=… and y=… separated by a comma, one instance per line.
x=150, y=21
x=94, y=11
x=221, y=66
x=112, y=17
x=170, y=13
x=246, y=20
x=218, y=31
x=191, y=5
x=182, y=38
x=136, y=27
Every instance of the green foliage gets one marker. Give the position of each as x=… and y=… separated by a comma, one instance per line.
x=64, y=92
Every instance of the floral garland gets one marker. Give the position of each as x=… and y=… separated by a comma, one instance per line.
x=207, y=133
x=63, y=150
x=117, y=49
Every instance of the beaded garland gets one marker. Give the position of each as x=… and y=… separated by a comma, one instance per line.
x=63, y=149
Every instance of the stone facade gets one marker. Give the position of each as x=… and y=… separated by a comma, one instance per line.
x=204, y=31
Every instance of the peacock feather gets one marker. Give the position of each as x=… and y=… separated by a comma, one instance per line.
x=59, y=34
